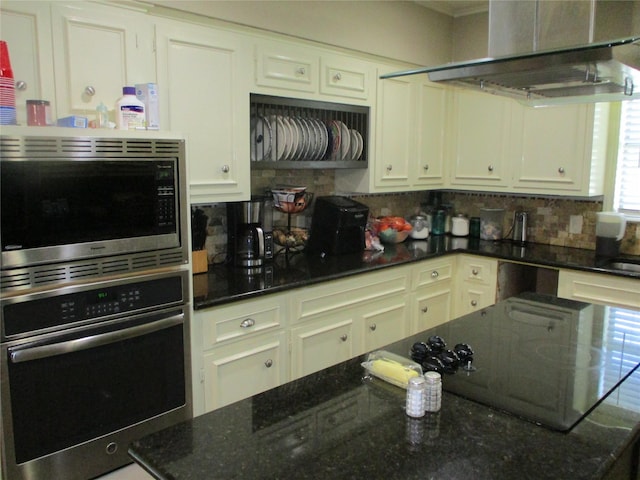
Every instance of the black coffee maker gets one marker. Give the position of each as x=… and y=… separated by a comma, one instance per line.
x=250, y=232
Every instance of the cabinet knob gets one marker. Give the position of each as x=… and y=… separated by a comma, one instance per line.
x=561, y=170
x=474, y=303
x=301, y=71
x=247, y=323
x=344, y=338
x=373, y=327
x=490, y=168
x=225, y=169
x=424, y=309
x=89, y=90
x=268, y=363
x=337, y=77
x=474, y=272
x=389, y=167
x=21, y=85
x=426, y=167
x=435, y=274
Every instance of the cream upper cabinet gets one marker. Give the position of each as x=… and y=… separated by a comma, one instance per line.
x=410, y=126
x=26, y=27
x=304, y=71
x=562, y=149
x=480, y=141
x=203, y=80
x=286, y=66
x=98, y=49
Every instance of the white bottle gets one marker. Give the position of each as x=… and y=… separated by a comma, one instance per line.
x=130, y=111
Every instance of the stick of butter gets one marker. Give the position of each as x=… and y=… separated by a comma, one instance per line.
x=392, y=371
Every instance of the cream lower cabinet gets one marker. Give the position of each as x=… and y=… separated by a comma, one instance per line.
x=599, y=288
x=243, y=351
x=203, y=79
x=431, y=298
x=476, y=284
x=338, y=320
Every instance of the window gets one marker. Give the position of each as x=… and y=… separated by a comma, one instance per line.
x=622, y=339
x=627, y=194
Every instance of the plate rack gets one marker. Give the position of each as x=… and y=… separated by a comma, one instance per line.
x=289, y=133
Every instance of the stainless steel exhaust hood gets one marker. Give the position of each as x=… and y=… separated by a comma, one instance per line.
x=593, y=72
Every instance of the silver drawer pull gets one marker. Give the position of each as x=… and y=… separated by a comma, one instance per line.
x=373, y=327
x=247, y=323
x=90, y=91
x=337, y=77
x=301, y=71
x=561, y=170
x=474, y=303
x=475, y=271
x=435, y=274
x=344, y=338
x=425, y=309
x=268, y=363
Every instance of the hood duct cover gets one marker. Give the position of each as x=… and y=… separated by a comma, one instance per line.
x=602, y=71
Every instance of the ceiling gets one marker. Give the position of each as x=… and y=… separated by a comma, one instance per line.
x=456, y=8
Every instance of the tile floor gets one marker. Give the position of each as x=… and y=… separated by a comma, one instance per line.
x=129, y=472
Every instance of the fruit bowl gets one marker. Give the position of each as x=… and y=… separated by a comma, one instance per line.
x=291, y=200
x=391, y=230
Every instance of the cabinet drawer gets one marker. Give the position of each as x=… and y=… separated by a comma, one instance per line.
x=477, y=270
x=599, y=288
x=286, y=67
x=431, y=272
x=338, y=295
x=244, y=319
x=345, y=78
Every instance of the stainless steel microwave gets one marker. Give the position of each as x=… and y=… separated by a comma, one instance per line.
x=75, y=206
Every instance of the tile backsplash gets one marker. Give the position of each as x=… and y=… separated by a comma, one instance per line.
x=554, y=221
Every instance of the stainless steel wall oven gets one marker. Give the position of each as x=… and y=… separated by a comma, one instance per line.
x=93, y=360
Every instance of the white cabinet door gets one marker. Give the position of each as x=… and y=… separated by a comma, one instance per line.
x=98, y=49
x=385, y=322
x=431, y=115
x=245, y=368
x=324, y=342
x=476, y=284
x=26, y=27
x=560, y=148
x=481, y=146
x=203, y=77
x=395, y=133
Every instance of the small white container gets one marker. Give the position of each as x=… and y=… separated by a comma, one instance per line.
x=460, y=226
x=419, y=227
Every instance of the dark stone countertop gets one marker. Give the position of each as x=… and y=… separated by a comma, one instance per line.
x=223, y=284
x=336, y=424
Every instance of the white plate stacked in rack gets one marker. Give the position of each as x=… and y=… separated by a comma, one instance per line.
x=280, y=138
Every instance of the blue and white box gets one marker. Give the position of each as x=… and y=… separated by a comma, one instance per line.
x=148, y=94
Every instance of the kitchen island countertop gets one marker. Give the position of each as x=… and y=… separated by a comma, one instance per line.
x=223, y=284
x=337, y=424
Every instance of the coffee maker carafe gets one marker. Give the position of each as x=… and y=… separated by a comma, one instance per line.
x=250, y=236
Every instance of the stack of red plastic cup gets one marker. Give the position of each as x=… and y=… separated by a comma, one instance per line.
x=7, y=88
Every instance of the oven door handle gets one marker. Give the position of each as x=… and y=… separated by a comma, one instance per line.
x=45, y=351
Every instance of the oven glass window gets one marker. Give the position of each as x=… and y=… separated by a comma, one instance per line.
x=47, y=203
x=67, y=399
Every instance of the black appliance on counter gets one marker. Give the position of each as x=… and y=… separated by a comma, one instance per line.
x=250, y=233
x=337, y=226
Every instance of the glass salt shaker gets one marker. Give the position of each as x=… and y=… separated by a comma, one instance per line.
x=415, y=397
x=432, y=392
